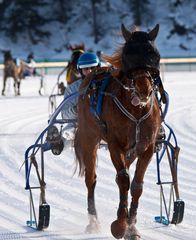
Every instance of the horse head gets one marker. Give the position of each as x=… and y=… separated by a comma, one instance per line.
x=72, y=72
x=77, y=50
x=140, y=61
x=76, y=47
x=7, y=55
x=139, y=50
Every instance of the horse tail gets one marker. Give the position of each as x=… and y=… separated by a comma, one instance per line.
x=78, y=156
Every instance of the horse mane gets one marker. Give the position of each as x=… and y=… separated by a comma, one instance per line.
x=116, y=58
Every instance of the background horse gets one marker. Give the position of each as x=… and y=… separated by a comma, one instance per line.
x=13, y=71
x=73, y=73
x=129, y=123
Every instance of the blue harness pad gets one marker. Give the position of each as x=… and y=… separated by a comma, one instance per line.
x=157, y=81
x=96, y=100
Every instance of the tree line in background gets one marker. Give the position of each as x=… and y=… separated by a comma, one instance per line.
x=29, y=17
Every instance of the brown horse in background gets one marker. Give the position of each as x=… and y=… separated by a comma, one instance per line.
x=73, y=73
x=13, y=71
x=129, y=123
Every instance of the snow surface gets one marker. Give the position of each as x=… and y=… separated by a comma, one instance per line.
x=22, y=120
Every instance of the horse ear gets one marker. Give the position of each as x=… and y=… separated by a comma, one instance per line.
x=82, y=46
x=68, y=46
x=153, y=33
x=125, y=32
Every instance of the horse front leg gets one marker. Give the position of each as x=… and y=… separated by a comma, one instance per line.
x=136, y=192
x=119, y=226
x=4, y=84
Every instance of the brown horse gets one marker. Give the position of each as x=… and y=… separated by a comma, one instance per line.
x=13, y=71
x=129, y=122
x=73, y=73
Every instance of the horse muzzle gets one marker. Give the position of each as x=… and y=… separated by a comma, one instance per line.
x=138, y=100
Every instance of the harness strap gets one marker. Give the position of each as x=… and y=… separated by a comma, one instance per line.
x=129, y=115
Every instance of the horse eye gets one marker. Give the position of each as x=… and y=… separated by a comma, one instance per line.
x=129, y=75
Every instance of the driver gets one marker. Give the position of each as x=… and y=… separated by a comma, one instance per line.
x=86, y=63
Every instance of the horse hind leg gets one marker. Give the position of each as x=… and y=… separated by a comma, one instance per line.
x=86, y=156
x=18, y=86
x=41, y=89
x=94, y=225
x=15, y=87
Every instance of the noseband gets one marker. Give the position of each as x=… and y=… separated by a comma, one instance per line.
x=136, y=98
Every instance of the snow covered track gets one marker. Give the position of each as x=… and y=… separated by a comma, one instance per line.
x=21, y=121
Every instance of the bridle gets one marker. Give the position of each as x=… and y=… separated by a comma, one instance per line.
x=134, y=92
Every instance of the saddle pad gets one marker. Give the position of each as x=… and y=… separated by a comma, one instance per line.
x=96, y=99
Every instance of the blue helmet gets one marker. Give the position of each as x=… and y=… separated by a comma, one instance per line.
x=88, y=59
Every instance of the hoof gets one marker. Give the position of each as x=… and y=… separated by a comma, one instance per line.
x=93, y=226
x=118, y=229
x=132, y=233
x=41, y=92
